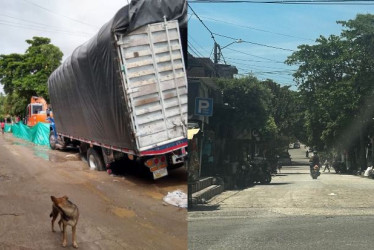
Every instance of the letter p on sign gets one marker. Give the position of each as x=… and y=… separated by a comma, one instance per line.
x=204, y=106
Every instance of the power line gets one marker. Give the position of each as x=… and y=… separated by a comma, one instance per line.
x=242, y=52
x=211, y=33
x=258, y=44
x=30, y=27
x=257, y=29
x=41, y=25
x=274, y=72
x=309, y=2
x=287, y=72
x=245, y=60
x=264, y=76
x=194, y=50
x=257, y=66
x=193, y=40
x=58, y=14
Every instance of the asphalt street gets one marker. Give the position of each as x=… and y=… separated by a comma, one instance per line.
x=116, y=212
x=292, y=212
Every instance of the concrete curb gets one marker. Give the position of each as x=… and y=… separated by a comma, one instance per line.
x=202, y=196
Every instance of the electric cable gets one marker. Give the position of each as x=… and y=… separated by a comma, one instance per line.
x=259, y=44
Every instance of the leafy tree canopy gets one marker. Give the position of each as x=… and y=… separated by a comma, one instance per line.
x=335, y=78
x=26, y=75
x=247, y=102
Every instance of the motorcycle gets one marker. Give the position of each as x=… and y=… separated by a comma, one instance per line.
x=250, y=173
x=340, y=167
x=243, y=177
x=261, y=173
x=314, y=171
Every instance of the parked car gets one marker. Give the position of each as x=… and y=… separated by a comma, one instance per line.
x=296, y=145
x=284, y=159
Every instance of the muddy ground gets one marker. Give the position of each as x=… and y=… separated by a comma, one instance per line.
x=122, y=211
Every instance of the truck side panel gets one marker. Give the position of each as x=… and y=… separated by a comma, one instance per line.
x=155, y=82
x=88, y=94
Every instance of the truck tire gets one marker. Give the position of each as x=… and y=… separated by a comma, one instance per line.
x=95, y=160
x=83, y=147
x=52, y=140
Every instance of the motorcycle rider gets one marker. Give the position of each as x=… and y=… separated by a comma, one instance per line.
x=314, y=161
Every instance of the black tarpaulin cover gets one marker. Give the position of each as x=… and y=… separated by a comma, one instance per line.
x=86, y=91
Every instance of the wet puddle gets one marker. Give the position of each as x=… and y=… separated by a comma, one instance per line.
x=41, y=153
x=20, y=144
x=45, y=153
x=154, y=195
x=123, y=213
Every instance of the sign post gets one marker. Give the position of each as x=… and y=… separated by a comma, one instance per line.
x=203, y=107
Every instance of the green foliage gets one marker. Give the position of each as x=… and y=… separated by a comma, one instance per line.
x=26, y=75
x=265, y=106
x=2, y=101
x=247, y=102
x=270, y=129
x=286, y=110
x=335, y=78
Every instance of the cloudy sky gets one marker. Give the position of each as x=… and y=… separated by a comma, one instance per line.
x=68, y=23
x=270, y=31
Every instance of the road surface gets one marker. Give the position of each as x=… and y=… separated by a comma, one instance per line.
x=293, y=212
x=116, y=212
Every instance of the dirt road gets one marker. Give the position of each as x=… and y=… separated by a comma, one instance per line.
x=116, y=212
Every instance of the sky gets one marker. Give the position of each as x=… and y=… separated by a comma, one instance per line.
x=68, y=23
x=277, y=25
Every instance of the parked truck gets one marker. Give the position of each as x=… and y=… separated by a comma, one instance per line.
x=124, y=92
x=37, y=111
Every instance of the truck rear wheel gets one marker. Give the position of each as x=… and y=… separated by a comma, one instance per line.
x=52, y=140
x=95, y=160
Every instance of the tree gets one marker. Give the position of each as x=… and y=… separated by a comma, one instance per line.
x=286, y=110
x=2, y=101
x=335, y=79
x=26, y=75
x=247, y=102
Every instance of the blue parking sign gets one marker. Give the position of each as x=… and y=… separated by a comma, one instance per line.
x=203, y=106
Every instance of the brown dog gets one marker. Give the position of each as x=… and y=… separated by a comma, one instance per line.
x=69, y=215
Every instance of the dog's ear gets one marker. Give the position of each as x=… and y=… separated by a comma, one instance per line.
x=53, y=198
x=65, y=197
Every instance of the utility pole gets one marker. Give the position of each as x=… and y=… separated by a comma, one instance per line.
x=217, y=51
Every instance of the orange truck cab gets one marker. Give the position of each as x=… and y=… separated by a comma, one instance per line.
x=37, y=111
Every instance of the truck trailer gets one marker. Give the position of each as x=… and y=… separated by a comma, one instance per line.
x=124, y=92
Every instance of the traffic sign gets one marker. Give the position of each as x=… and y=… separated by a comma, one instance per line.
x=203, y=106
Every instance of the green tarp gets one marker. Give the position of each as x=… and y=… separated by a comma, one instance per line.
x=38, y=134
x=8, y=128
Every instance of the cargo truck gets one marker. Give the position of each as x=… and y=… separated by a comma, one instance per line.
x=124, y=92
x=36, y=111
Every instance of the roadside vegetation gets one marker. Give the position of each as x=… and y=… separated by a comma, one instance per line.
x=332, y=109
x=26, y=75
x=335, y=81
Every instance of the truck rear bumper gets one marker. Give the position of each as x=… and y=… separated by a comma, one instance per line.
x=167, y=148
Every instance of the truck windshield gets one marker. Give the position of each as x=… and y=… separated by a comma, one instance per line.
x=36, y=108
